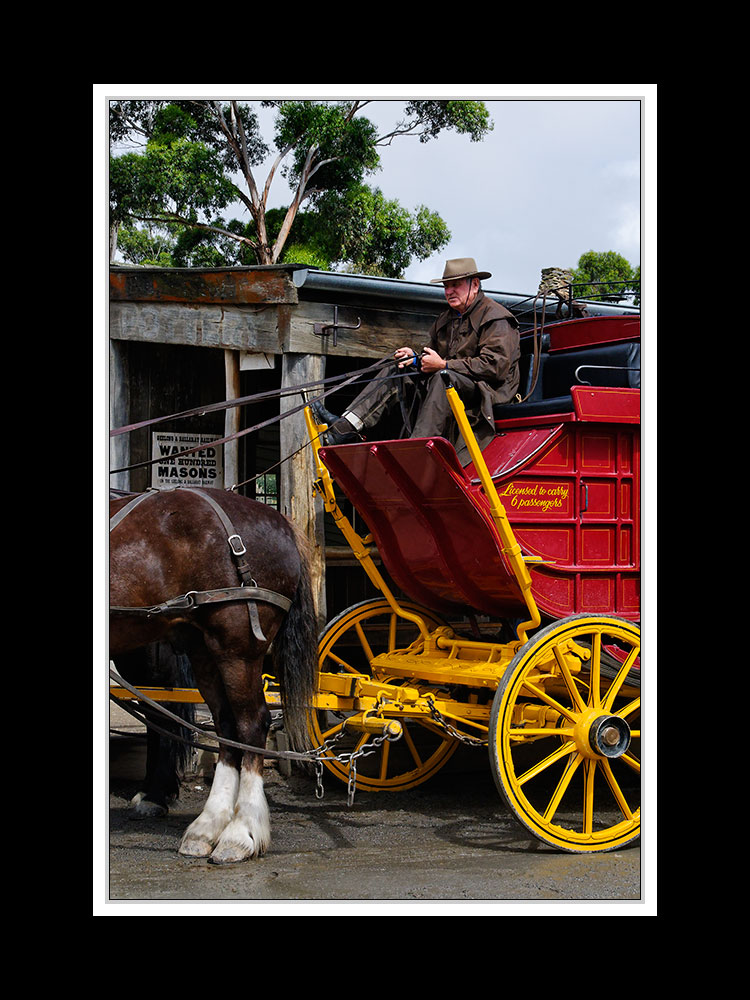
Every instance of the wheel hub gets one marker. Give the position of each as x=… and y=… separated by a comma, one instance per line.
x=609, y=736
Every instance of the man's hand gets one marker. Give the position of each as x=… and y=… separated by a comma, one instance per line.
x=431, y=361
x=405, y=356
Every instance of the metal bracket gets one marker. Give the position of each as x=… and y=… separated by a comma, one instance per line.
x=324, y=329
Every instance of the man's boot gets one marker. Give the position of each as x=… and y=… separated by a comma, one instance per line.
x=340, y=431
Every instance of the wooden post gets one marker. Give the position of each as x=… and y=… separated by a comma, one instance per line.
x=231, y=418
x=297, y=473
x=119, y=413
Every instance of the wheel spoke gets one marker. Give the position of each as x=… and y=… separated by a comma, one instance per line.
x=540, y=693
x=632, y=762
x=542, y=766
x=620, y=678
x=570, y=683
x=632, y=706
x=596, y=671
x=364, y=643
x=562, y=786
x=589, y=774
x=342, y=663
x=544, y=731
x=616, y=790
x=384, y=754
x=407, y=737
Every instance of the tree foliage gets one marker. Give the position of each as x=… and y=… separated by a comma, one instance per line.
x=607, y=276
x=195, y=159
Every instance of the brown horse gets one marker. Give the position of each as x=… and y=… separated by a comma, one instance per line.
x=190, y=556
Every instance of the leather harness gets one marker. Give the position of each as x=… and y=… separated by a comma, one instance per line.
x=249, y=591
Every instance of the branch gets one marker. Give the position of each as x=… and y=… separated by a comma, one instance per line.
x=315, y=169
x=236, y=145
x=271, y=173
x=190, y=224
x=132, y=124
x=388, y=138
x=245, y=160
x=299, y=195
x=356, y=106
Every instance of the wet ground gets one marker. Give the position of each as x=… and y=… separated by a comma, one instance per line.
x=448, y=846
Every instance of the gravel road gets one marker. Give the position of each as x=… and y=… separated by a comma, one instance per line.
x=449, y=845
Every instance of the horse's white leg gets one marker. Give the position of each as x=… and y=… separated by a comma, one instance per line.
x=204, y=832
x=249, y=833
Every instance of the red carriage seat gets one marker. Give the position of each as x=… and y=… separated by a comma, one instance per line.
x=436, y=538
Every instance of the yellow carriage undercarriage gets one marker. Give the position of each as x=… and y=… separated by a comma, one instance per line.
x=558, y=707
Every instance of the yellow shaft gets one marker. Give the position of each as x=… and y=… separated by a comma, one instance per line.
x=511, y=548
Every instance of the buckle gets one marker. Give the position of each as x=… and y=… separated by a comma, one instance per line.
x=240, y=550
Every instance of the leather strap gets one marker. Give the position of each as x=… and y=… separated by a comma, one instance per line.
x=124, y=511
x=194, y=598
x=249, y=591
x=233, y=539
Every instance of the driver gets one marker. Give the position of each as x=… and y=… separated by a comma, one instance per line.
x=475, y=339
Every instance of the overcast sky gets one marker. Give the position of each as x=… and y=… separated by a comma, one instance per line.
x=560, y=174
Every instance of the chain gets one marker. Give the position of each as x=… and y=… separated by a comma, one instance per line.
x=473, y=741
x=314, y=756
x=324, y=750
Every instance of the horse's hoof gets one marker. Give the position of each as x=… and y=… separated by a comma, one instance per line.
x=232, y=849
x=195, y=848
x=230, y=858
x=232, y=854
x=143, y=808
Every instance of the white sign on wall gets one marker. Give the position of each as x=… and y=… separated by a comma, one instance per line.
x=200, y=468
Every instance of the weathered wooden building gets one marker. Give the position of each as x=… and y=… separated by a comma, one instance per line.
x=183, y=339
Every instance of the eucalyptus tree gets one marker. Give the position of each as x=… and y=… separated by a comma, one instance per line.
x=180, y=165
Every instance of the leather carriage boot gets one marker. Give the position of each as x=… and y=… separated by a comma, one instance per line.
x=321, y=414
x=340, y=431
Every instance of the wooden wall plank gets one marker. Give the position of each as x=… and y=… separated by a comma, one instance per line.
x=225, y=327
x=380, y=333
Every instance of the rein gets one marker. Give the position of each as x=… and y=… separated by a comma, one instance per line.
x=242, y=401
x=121, y=682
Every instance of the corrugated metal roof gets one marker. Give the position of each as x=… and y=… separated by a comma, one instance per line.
x=400, y=290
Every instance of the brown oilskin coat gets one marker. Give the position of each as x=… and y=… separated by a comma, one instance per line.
x=484, y=345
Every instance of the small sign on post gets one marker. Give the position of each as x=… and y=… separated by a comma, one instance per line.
x=200, y=468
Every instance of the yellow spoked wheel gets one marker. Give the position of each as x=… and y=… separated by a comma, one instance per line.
x=349, y=644
x=565, y=734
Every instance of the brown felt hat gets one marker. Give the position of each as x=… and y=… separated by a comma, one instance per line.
x=458, y=268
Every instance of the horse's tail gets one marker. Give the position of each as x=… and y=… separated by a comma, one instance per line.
x=295, y=657
x=182, y=749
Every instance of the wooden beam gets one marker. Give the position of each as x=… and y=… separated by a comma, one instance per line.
x=231, y=418
x=119, y=413
x=297, y=472
x=232, y=286
x=233, y=328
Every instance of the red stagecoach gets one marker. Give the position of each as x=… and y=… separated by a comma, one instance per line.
x=519, y=625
